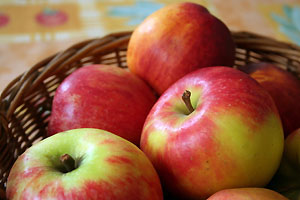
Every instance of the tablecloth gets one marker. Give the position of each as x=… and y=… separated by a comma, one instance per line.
x=31, y=30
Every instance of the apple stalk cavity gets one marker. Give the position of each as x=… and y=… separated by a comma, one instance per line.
x=68, y=162
x=186, y=97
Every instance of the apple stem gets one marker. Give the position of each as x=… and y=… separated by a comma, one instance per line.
x=186, y=97
x=68, y=162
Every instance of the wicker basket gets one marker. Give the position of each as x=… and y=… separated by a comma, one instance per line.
x=26, y=102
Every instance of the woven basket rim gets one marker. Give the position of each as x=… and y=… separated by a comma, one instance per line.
x=253, y=38
x=280, y=44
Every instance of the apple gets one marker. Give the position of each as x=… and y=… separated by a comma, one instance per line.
x=286, y=180
x=246, y=194
x=104, y=97
x=227, y=134
x=284, y=88
x=83, y=164
x=178, y=39
x=291, y=154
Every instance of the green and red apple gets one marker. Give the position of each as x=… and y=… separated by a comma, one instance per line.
x=84, y=164
x=104, y=97
x=286, y=180
x=284, y=88
x=176, y=40
x=228, y=135
x=247, y=194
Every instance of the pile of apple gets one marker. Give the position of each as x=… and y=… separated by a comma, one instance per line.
x=181, y=120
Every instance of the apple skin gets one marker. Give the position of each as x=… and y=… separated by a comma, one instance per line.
x=176, y=40
x=233, y=138
x=110, y=167
x=246, y=194
x=284, y=88
x=286, y=179
x=104, y=97
x=292, y=152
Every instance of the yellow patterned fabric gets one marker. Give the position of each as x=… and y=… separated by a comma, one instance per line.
x=31, y=30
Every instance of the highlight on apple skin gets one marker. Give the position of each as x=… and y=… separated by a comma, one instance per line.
x=247, y=194
x=176, y=40
x=233, y=138
x=104, y=97
x=284, y=88
x=104, y=166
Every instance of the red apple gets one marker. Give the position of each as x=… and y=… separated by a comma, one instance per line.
x=284, y=88
x=83, y=164
x=231, y=135
x=247, y=194
x=176, y=40
x=104, y=97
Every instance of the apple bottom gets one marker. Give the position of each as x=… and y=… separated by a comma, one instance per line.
x=226, y=153
x=108, y=167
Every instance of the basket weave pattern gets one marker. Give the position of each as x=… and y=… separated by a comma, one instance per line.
x=25, y=104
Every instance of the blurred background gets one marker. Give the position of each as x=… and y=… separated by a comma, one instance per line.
x=31, y=30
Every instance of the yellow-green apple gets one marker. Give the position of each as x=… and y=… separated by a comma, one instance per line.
x=284, y=88
x=247, y=194
x=104, y=97
x=227, y=135
x=286, y=180
x=83, y=164
x=176, y=40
